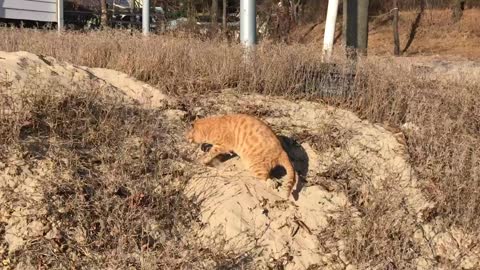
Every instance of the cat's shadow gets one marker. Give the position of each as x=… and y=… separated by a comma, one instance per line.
x=299, y=158
x=297, y=154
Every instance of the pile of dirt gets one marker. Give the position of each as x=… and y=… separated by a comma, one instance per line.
x=342, y=160
x=346, y=167
x=20, y=68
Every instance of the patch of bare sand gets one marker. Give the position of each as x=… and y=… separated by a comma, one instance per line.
x=17, y=68
x=141, y=92
x=20, y=213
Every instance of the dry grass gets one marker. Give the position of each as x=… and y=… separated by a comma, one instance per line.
x=444, y=151
x=385, y=237
x=114, y=193
x=174, y=65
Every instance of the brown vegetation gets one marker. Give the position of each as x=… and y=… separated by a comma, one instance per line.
x=111, y=186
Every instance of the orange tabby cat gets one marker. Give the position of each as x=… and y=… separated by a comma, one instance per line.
x=250, y=138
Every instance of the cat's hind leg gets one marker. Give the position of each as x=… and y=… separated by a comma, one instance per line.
x=262, y=172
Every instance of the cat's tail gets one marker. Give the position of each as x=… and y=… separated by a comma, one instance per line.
x=290, y=178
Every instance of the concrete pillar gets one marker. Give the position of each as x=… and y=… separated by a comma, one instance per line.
x=355, y=23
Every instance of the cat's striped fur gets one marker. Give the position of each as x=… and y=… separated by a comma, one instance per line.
x=250, y=138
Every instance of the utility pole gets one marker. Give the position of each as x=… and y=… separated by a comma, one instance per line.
x=60, y=22
x=330, y=29
x=248, y=23
x=146, y=17
x=356, y=26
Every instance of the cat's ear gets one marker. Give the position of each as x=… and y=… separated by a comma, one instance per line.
x=190, y=118
x=194, y=115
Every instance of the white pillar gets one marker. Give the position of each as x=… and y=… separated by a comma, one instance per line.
x=248, y=22
x=330, y=29
x=146, y=17
x=59, y=15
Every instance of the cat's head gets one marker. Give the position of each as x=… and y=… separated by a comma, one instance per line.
x=194, y=134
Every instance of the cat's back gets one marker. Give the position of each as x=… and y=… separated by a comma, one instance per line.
x=249, y=123
x=238, y=128
x=251, y=132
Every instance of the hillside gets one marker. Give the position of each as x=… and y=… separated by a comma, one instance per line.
x=436, y=35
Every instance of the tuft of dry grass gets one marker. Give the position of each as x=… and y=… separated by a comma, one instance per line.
x=443, y=150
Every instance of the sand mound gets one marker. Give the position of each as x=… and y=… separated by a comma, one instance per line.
x=21, y=67
x=343, y=162
x=246, y=211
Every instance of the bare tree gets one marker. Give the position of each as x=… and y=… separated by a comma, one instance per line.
x=282, y=25
x=457, y=10
x=415, y=25
x=191, y=10
x=296, y=7
x=104, y=17
x=224, y=15
x=214, y=12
